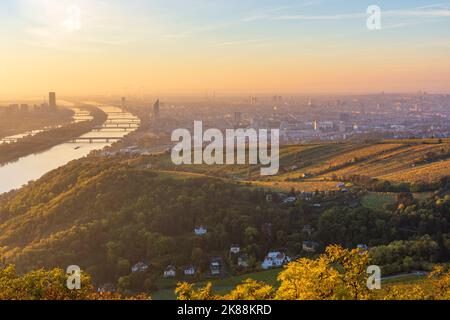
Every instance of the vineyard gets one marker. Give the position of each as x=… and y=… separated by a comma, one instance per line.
x=322, y=166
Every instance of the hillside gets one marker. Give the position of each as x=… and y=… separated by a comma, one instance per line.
x=107, y=214
x=322, y=166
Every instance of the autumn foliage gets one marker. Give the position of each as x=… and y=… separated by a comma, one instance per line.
x=339, y=274
x=50, y=285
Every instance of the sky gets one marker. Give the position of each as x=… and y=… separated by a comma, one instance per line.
x=86, y=47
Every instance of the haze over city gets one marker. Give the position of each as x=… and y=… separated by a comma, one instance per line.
x=85, y=47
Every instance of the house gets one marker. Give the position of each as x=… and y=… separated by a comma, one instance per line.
x=189, y=271
x=235, y=249
x=310, y=246
x=243, y=261
x=290, y=199
x=363, y=247
x=139, y=267
x=275, y=259
x=216, y=266
x=201, y=231
x=170, y=272
x=107, y=287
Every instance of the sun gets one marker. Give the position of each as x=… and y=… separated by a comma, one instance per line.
x=58, y=15
x=72, y=22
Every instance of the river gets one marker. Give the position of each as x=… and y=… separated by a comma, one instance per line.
x=16, y=174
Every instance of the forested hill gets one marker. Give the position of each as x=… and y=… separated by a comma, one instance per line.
x=106, y=216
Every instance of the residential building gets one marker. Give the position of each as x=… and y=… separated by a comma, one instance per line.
x=275, y=259
x=139, y=267
x=310, y=246
x=190, y=271
x=170, y=272
x=201, y=231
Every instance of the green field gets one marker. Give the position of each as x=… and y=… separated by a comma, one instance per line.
x=376, y=200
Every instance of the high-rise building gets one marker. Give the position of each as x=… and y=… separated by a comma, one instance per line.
x=52, y=100
x=124, y=102
x=156, y=111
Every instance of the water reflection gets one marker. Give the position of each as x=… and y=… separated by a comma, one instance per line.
x=16, y=174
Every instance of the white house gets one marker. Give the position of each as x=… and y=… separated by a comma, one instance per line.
x=290, y=200
x=363, y=247
x=216, y=266
x=201, y=231
x=139, y=267
x=275, y=259
x=189, y=271
x=235, y=249
x=170, y=272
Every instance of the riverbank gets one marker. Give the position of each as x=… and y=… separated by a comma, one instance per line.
x=48, y=139
x=14, y=123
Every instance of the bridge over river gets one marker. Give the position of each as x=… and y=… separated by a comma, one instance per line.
x=118, y=125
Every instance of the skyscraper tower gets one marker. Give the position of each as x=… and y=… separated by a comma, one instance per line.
x=124, y=102
x=52, y=100
x=156, y=111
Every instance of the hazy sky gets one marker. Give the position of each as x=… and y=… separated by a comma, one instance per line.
x=190, y=46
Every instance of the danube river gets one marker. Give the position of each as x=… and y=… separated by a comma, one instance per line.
x=16, y=174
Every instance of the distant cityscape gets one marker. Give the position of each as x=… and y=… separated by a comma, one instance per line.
x=50, y=104
x=320, y=118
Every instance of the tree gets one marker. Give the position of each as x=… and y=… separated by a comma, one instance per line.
x=251, y=290
x=50, y=285
x=186, y=291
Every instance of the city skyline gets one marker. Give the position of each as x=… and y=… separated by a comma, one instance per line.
x=84, y=47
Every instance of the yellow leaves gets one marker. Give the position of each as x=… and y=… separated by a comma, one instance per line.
x=440, y=279
x=437, y=288
x=308, y=280
x=186, y=291
x=251, y=290
x=337, y=274
x=50, y=285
